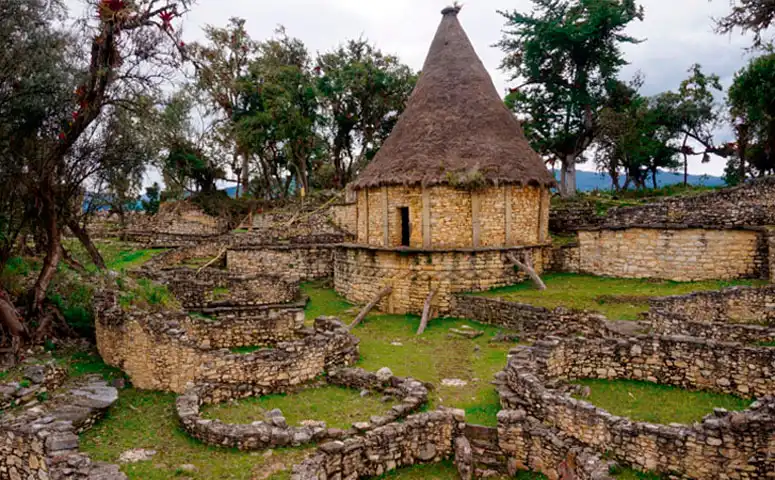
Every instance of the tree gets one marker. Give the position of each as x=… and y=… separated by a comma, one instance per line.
x=278, y=116
x=362, y=92
x=565, y=53
x=151, y=202
x=753, y=112
x=699, y=114
x=748, y=15
x=220, y=65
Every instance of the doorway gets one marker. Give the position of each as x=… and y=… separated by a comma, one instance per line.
x=405, y=232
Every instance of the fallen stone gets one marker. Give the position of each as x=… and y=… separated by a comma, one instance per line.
x=466, y=333
x=384, y=374
x=35, y=373
x=453, y=382
x=136, y=455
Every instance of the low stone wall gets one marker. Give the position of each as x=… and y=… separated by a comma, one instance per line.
x=42, y=442
x=528, y=444
x=739, y=314
x=176, y=258
x=422, y=438
x=750, y=204
x=565, y=259
x=532, y=322
x=211, y=287
x=688, y=254
x=345, y=216
x=724, y=445
x=152, y=239
x=274, y=432
x=230, y=327
x=362, y=272
x=291, y=262
x=158, y=353
x=41, y=379
x=574, y=215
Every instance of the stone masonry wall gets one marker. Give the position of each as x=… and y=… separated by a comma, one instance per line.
x=345, y=216
x=532, y=322
x=422, y=438
x=751, y=204
x=291, y=262
x=360, y=273
x=566, y=259
x=740, y=314
x=724, y=445
x=673, y=254
x=159, y=354
x=212, y=288
x=446, y=215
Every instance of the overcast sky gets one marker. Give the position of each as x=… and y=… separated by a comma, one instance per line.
x=676, y=34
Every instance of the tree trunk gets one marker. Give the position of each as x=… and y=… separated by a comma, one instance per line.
x=568, y=176
x=85, y=239
x=654, y=178
x=742, y=147
x=384, y=293
x=245, y=174
x=53, y=255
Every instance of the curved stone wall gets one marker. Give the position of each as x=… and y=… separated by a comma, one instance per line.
x=361, y=272
x=274, y=432
x=740, y=314
x=723, y=445
x=158, y=353
x=445, y=217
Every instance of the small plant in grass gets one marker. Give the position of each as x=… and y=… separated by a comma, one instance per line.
x=220, y=293
x=42, y=396
x=148, y=294
x=246, y=350
x=201, y=316
x=24, y=383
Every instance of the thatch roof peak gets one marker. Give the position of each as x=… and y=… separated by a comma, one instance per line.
x=455, y=125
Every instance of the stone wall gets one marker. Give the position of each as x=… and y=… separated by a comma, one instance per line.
x=303, y=226
x=291, y=262
x=177, y=257
x=724, y=445
x=345, y=216
x=211, y=288
x=444, y=217
x=740, y=314
x=41, y=379
x=361, y=272
x=673, y=254
x=42, y=442
x=422, y=438
x=574, y=215
x=532, y=322
x=158, y=353
x=274, y=432
x=565, y=259
x=177, y=224
x=752, y=204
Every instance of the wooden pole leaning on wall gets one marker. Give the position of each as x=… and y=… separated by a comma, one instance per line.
x=218, y=257
x=526, y=265
x=373, y=303
x=426, y=312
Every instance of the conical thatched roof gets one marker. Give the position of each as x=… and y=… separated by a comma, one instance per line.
x=455, y=126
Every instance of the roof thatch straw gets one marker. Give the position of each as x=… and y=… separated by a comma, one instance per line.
x=455, y=126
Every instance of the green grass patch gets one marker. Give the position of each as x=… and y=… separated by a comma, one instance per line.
x=622, y=473
x=767, y=344
x=221, y=293
x=339, y=407
x=391, y=341
x=616, y=298
x=148, y=294
x=118, y=256
x=650, y=402
x=246, y=350
x=142, y=419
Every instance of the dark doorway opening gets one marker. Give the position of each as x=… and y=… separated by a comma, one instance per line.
x=405, y=233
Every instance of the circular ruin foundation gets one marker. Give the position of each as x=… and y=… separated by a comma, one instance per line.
x=273, y=431
x=724, y=445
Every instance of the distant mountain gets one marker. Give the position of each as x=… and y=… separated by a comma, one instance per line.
x=587, y=181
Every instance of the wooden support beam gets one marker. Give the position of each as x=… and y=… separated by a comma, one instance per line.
x=426, y=312
x=373, y=303
x=526, y=265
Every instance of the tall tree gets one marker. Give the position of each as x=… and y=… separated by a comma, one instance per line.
x=749, y=15
x=564, y=53
x=752, y=107
x=699, y=114
x=362, y=92
x=220, y=64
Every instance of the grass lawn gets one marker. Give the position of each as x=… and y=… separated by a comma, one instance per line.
x=616, y=298
x=650, y=402
x=118, y=255
x=391, y=341
x=339, y=407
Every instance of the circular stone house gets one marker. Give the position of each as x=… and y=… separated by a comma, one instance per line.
x=453, y=192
